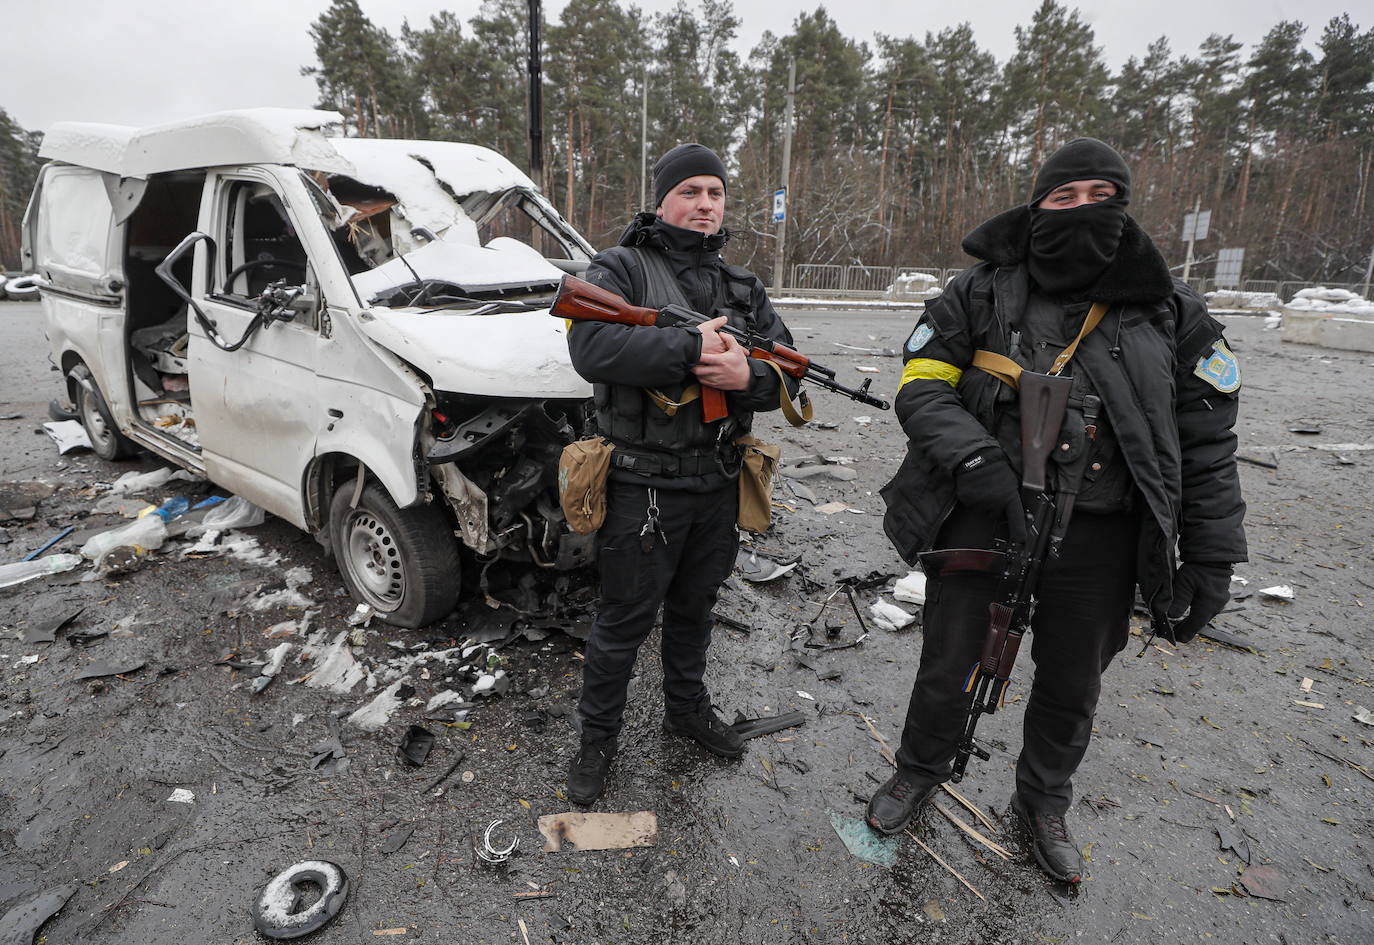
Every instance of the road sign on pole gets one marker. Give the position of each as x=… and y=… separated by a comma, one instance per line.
x=1229, y=264
x=780, y=205
x=1196, y=224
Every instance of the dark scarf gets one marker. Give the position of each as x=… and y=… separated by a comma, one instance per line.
x=1070, y=249
x=1136, y=272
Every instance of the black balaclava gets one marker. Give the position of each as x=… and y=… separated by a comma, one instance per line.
x=1070, y=249
x=682, y=162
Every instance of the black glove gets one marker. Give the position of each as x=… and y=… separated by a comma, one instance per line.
x=1200, y=591
x=985, y=481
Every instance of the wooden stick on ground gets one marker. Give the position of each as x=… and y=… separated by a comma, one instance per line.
x=936, y=857
x=884, y=747
x=996, y=848
x=972, y=808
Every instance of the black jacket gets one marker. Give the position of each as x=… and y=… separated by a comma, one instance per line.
x=1172, y=425
x=623, y=361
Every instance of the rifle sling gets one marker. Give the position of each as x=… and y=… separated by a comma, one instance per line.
x=1009, y=372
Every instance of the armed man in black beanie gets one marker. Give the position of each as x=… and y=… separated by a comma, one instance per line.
x=670, y=536
x=1158, y=497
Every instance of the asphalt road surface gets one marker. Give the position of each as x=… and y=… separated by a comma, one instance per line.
x=1259, y=746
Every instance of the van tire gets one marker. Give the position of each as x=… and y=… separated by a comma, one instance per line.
x=106, y=440
x=403, y=562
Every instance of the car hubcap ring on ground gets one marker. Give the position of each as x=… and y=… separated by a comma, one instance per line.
x=374, y=560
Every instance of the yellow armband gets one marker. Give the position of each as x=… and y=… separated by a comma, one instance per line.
x=929, y=369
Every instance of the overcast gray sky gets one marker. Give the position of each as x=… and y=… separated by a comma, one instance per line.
x=141, y=62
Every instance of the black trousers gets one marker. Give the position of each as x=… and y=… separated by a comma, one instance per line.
x=681, y=571
x=1081, y=622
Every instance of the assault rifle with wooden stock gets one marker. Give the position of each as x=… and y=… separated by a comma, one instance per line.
x=1043, y=399
x=579, y=300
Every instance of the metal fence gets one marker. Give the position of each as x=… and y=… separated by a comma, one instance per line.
x=918, y=283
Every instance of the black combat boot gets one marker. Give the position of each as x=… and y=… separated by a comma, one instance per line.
x=587, y=774
x=1055, y=850
x=707, y=729
x=894, y=804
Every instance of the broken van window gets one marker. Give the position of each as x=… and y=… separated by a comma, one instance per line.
x=409, y=240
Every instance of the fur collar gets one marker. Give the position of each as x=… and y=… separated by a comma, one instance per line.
x=1137, y=274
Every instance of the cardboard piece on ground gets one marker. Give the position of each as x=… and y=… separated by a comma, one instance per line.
x=599, y=831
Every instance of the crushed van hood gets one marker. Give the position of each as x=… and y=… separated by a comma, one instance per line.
x=502, y=262
x=505, y=354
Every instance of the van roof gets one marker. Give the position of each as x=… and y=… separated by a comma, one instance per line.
x=270, y=136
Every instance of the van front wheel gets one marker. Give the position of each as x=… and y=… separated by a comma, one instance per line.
x=403, y=562
x=106, y=440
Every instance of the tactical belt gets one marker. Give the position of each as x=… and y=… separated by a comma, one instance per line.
x=1009, y=372
x=668, y=464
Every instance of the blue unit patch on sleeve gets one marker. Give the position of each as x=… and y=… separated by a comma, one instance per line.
x=920, y=337
x=1220, y=368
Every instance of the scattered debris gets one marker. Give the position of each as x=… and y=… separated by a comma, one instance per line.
x=1263, y=882
x=45, y=631
x=1306, y=431
x=111, y=668
x=362, y=615
x=911, y=589
x=765, y=725
x=1232, y=838
x=234, y=512
x=890, y=616
x=1254, y=461
x=936, y=857
x=760, y=569
x=841, y=473
x=20, y=924
x=277, y=913
x=860, y=840
x=49, y=543
x=991, y=845
x=335, y=668
x=803, y=694
x=68, y=435
x=415, y=745
x=1277, y=592
x=1229, y=639
x=182, y=796
x=276, y=658
x=397, y=839
x=586, y=831
x=133, y=483
x=374, y=715
x=1363, y=715
x=447, y=772
x=830, y=508
x=491, y=852
x=18, y=572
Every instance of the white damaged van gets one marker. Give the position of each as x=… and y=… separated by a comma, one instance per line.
x=351, y=333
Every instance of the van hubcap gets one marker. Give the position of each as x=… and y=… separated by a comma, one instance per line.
x=374, y=560
x=93, y=420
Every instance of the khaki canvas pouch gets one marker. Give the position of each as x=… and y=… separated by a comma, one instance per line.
x=759, y=461
x=582, y=472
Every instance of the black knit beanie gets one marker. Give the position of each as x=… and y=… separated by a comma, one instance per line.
x=682, y=162
x=1083, y=159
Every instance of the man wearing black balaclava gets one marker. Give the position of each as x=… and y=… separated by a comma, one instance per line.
x=669, y=539
x=1154, y=397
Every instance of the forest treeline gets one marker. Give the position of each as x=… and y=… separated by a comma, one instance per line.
x=901, y=144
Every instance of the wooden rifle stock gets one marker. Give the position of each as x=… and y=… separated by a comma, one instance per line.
x=582, y=301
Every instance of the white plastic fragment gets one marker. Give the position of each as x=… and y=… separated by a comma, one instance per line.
x=362, y=615
x=234, y=512
x=911, y=589
x=802, y=693
x=1277, y=592
x=335, y=667
x=132, y=483
x=68, y=435
x=17, y=572
x=890, y=616
x=1363, y=715
x=375, y=714
x=439, y=700
x=182, y=796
